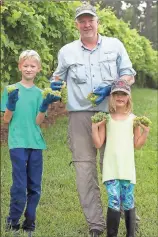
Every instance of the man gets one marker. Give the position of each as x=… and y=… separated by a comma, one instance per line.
x=89, y=64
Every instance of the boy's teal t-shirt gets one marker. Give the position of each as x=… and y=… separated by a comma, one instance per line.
x=23, y=130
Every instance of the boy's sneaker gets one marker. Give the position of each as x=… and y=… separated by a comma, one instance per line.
x=10, y=227
x=28, y=226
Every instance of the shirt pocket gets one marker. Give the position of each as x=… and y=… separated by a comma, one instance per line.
x=77, y=72
x=108, y=66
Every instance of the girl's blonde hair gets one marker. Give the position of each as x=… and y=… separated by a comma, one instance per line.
x=27, y=54
x=112, y=104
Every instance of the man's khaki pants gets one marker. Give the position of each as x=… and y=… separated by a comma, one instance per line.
x=84, y=159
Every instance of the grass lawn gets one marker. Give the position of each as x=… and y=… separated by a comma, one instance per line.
x=59, y=213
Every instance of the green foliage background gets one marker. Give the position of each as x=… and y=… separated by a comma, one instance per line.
x=46, y=26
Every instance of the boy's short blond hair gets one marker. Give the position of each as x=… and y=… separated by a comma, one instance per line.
x=112, y=105
x=29, y=54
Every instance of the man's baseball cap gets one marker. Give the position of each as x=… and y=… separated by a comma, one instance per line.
x=85, y=9
x=120, y=85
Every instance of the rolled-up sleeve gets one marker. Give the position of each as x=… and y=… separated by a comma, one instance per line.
x=61, y=70
x=123, y=62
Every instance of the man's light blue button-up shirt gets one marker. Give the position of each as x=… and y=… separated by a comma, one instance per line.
x=84, y=70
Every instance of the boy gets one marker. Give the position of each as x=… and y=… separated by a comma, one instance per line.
x=24, y=111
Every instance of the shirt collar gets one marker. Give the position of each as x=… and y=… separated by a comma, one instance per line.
x=98, y=42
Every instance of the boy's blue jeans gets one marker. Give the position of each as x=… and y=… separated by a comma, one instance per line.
x=120, y=193
x=27, y=165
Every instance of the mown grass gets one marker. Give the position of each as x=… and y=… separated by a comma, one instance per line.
x=59, y=213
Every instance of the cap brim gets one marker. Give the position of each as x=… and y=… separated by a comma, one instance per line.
x=85, y=12
x=123, y=90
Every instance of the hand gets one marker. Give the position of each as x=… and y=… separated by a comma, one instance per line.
x=145, y=128
x=102, y=92
x=12, y=99
x=56, y=85
x=48, y=100
x=99, y=124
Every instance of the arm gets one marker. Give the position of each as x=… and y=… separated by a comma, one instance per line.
x=60, y=73
x=140, y=136
x=98, y=133
x=130, y=79
x=125, y=70
x=61, y=70
x=9, y=104
x=7, y=116
x=40, y=117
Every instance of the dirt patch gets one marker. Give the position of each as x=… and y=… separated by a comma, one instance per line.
x=55, y=110
x=4, y=132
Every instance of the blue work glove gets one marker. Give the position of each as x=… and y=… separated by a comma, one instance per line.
x=101, y=92
x=12, y=99
x=56, y=85
x=48, y=100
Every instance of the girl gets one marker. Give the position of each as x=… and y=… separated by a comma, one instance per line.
x=118, y=166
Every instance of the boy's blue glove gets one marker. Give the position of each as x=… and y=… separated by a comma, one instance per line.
x=56, y=85
x=12, y=99
x=102, y=92
x=48, y=100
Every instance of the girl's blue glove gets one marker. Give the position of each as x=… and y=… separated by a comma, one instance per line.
x=12, y=99
x=56, y=85
x=102, y=92
x=48, y=100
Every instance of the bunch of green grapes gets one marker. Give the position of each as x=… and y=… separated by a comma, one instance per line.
x=56, y=93
x=11, y=88
x=143, y=120
x=64, y=96
x=48, y=90
x=100, y=116
x=92, y=97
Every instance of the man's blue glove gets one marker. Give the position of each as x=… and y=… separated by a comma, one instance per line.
x=101, y=92
x=56, y=85
x=12, y=99
x=48, y=100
